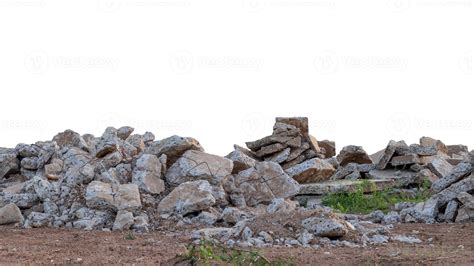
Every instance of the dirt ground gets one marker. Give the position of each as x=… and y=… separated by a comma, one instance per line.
x=451, y=244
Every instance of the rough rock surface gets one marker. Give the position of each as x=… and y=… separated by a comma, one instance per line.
x=353, y=154
x=147, y=174
x=241, y=159
x=173, y=147
x=263, y=183
x=188, y=197
x=325, y=227
x=313, y=170
x=460, y=171
x=196, y=165
x=10, y=214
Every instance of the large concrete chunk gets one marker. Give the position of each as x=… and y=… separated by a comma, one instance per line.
x=344, y=186
x=299, y=122
x=423, y=150
x=450, y=212
x=108, y=142
x=279, y=157
x=440, y=167
x=312, y=170
x=423, y=212
x=188, y=197
x=460, y=171
x=69, y=139
x=280, y=138
x=10, y=214
x=147, y=174
x=123, y=221
x=105, y=196
x=195, y=165
x=263, y=183
x=401, y=177
x=431, y=142
x=403, y=160
x=325, y=227
x=242, y=159
x=459, y=149
x=452, y=192
x=127, y=197
x=99, y=195
x=387, y=155
x=270, y=149
x=174, y=147
x=466, y=199
x=465, y=215
x=9, y=164
x=329, y=148
x=351, y=168
x=353, y=154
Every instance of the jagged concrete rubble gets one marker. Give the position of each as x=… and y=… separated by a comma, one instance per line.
x=266, y=194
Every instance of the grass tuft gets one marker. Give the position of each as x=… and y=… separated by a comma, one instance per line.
x=359, y=203
x=208, y=253
x=129, y=236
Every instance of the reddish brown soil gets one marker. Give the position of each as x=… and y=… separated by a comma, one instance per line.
x=451, y=244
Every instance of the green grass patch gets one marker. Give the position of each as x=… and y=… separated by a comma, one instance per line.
x=129, y=236
x=207, y=253
x=360, y=203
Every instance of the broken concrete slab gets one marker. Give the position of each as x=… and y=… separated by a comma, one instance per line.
x=459, y=172
x=458, y=149
x=329, y=148
x=195, y=165
x=431, y=142
x=345, y=186
x=270, y=149
x=387, y=155
x=402, y=160
x=313, y=170
x=440, y=167
x=263, y=183
x=353, y=154
x=174, y=147
x=401, y=177
x=279, y=157
x=242, y=160
x=452, y=192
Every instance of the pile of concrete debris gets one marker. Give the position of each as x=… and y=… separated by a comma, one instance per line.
x=268, y=194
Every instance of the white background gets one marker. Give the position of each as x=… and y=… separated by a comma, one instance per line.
x=364, y=72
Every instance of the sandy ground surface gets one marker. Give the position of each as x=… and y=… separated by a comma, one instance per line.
x=450, y=244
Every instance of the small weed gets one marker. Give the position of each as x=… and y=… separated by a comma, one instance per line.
x=129, y=236
x=358, y=202
x=207, y=253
